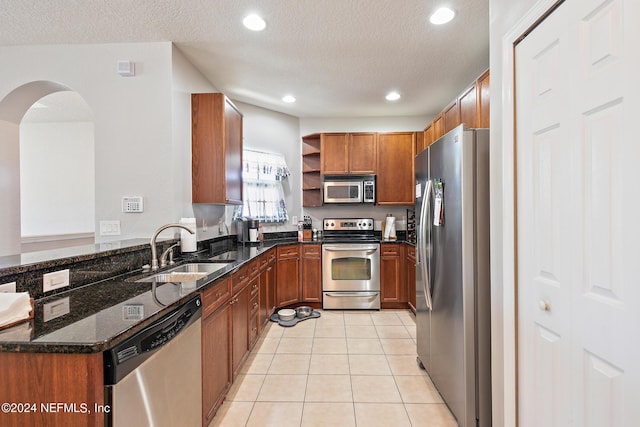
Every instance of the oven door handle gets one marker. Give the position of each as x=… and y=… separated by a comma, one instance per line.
x=369, y=250
x=351, y=294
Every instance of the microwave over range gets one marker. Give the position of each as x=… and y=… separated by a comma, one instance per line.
x=349, y=189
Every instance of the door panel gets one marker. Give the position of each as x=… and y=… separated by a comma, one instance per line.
x=576, y=102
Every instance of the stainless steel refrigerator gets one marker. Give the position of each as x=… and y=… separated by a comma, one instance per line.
x=452, y=271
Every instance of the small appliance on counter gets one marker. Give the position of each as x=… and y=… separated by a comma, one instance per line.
x=248, y=229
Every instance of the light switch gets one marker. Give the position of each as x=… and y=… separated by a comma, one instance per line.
x=110, y=228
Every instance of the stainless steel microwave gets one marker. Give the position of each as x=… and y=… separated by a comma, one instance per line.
x=349, y=189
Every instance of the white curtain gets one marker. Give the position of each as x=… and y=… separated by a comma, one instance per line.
x=262, y=177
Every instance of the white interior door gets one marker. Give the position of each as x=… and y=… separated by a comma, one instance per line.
x=578, y=196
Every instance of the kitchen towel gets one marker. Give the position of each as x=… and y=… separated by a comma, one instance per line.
x=14, y=307
x=188, y=242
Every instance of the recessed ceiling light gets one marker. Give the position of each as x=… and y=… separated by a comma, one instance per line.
x=442, y=16
x=289, y=98
x=392, y=96
x=254, y=22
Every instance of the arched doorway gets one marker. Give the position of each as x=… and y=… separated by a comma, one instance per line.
x=47, y=164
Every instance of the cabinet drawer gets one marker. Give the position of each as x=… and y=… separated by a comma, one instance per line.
x=239, y=279
x=390, y=249
x=215, y=296
x=254, y=268
x=263, y=261
x=272, y=255
x=288, y=251
x=311, y=250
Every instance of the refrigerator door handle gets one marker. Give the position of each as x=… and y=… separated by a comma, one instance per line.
x=425, y=227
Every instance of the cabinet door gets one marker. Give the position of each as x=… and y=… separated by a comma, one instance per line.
x=428, y=136
x=216, y=360
x=468, y=107
x=362, y=153
x=483, y=100
x=233, y=153
x=311, y=273
x=395, y=179
x=390, y=273
x=333, y=153
x=438, y=127
x=240, y=329
x=451, y=116
x=216, y=150
x=271, y=280
x=288, y=276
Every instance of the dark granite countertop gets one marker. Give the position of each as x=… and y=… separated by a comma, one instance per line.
x=103, y=314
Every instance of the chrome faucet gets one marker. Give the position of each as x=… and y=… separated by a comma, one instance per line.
x=154, y=252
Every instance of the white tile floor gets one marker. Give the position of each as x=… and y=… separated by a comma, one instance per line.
x=346, y=368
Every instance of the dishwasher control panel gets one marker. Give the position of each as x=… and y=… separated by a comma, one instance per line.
x=165, y=335
x=129, y=354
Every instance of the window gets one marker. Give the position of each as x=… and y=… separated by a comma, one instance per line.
x=262, y=194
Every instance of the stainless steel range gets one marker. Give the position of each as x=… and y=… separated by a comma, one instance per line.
x=350, y=264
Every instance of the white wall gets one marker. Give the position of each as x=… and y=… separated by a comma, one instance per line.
x=504, y=14
x=142, y=129
x=270, y=131
x=57, y=178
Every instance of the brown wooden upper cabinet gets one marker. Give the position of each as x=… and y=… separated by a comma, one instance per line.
x=482, y=86
x=438, y=126
x=395, y=181
x=471, y=107
x=451, y=116
x=348, y=153
x=216, y=150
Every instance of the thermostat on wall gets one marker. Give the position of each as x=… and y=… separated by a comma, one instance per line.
x=132, y=204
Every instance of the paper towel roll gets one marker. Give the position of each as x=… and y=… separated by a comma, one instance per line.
x=188, y=242
x=389, y=227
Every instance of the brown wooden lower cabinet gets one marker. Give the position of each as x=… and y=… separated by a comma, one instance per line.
x=267, y=287
x=288, y=275
x=239, y=329
x=392, y=285
x=216, y=360
x=47, y=378
x=311, y=273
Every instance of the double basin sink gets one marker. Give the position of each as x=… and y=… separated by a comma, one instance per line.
x=186, y=273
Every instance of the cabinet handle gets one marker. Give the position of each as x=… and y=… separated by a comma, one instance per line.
x=270, y=268
x=255, y=304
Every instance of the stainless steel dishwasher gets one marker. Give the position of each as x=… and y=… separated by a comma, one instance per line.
x=154, y=378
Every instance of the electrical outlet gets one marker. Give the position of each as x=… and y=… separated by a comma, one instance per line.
x=55, y=280
x=8, y=288
x=204, y=226
x=55, y=309
x=294, y=220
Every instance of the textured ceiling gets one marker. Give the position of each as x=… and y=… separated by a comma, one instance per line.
x=337, y=57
